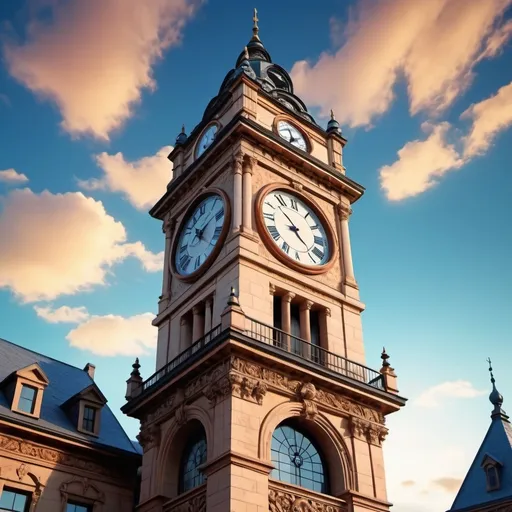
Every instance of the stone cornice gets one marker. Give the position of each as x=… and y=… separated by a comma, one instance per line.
x=237, y=459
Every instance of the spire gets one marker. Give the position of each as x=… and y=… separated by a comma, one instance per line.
x=255, y=28
x=496, y=398
x=182, y=137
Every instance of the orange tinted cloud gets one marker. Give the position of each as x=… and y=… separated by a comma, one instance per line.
x=94, y=58
x=111, y=335
x=448, y=484
x=64, y=314
x=434, y=45
x=12, y=176
x=142, y=181
x=61, y=244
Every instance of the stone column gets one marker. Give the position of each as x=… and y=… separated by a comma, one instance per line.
x=248, y=168
x=286, y=318
x=197, y=323
x=305, y=327
x=184, y=333
x=168, y=230
x=345, y=245
x=324, y=335
x=237, y=191
x=208, y=314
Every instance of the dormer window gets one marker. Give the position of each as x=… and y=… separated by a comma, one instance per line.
x=492, y=467
x=84, y=410
x=27, y=400
x=89, y=419
x=24, y=390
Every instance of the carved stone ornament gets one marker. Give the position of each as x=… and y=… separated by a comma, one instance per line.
x=81, y=486
x=236, y=385
x=22, y=471
x=163, y=409
x=297, y=186
x=149, y=437
x=367, y=431
x=281, y=382
x=307, y=394
x=194, y=504
x=238, y=162
x=344, y=211
x=180, y=415
x=281, y=501
x=12, y=444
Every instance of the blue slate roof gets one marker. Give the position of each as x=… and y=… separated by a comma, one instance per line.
x=65, y=382
x=498, y=445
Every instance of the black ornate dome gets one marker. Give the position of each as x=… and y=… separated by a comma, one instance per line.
x=256, y=63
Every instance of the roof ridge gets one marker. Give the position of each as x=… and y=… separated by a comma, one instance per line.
x=45, y=356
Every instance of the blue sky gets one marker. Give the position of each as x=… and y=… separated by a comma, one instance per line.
x=90, y=102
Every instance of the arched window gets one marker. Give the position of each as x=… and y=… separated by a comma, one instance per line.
x=193, y=456
x=297, y=460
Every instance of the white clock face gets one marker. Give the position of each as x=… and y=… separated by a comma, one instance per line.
x=199, y=235
x=289, y=133
x=206, y=140
x=295, y=228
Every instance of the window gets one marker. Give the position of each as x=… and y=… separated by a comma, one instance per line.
x=193, y=456
x=27, y=399
x=74, y=506
x=493, y=480
x=296, y=459
x=89, y=419
x=14, y=500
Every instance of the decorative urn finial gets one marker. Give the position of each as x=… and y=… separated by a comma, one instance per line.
x=333, y=126
x=182, y=137
x=496, y=398
x=384, y=356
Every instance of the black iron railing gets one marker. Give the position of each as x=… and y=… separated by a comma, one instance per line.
x=311, y=352
x=181, y=358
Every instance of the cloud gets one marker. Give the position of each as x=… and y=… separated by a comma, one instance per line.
x=61, y=244
x=408, y=483
x=420, y=165
x=432, y=397
x=448, y=484
x=12, y=176
x=64, y=314
x=433, y=46
x=488, y=117
x=142, y=181
x=112, y=335
x=93, y=59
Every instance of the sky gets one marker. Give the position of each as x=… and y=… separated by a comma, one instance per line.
x=92, y=97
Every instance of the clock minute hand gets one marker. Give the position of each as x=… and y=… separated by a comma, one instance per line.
x=293, y=227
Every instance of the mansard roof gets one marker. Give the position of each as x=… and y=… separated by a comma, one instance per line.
x=64, y=382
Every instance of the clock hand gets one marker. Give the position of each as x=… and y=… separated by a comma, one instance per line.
x=293, y=227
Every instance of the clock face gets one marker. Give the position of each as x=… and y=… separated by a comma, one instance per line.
x=206, y=140
x=289, y=133
x=199, y=235
x=295, y=228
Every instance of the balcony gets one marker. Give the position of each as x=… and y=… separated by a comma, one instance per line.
x=265, y=335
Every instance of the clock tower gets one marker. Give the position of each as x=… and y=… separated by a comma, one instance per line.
x=261, y=399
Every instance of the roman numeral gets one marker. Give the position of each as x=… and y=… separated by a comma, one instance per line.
x=183, y=248
x=319, y=240
x=285, y=247
x=216, y=233
x=313, y=227
x=279, y=197
x=197, y=263
x=274, y=233
x=297, y=256
x=271, y=205
x=318, y=253
x=219, y=214
x=184, y=261
x=269, y=216
x=294, y=204
x=202, y=209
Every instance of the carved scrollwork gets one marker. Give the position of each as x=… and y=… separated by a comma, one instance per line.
x=367, y=431
x=194, y=504
x=282, y=501
x=149, y=437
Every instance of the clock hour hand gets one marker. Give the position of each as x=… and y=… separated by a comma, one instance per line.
x=293, y=227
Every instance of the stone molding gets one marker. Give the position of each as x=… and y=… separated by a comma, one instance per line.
x=237, y=459
x=288, y=500
x=149, y=437
x=80, y=487
x=194, y=501
x=50, y=455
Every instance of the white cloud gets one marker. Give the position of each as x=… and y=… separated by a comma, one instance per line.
x=12, y=176
x=64, y=314
x=488, y=117
x=420, y=165
x=434, y=46
x=448, y=484
x=93, y=59
x=112, y=335
x=142, y=181
x=432, y=397
x=61, y=244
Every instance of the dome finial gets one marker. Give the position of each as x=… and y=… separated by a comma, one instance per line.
x=255, y=28
x=333, y=126
x=332, y=115
x=496, y=398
